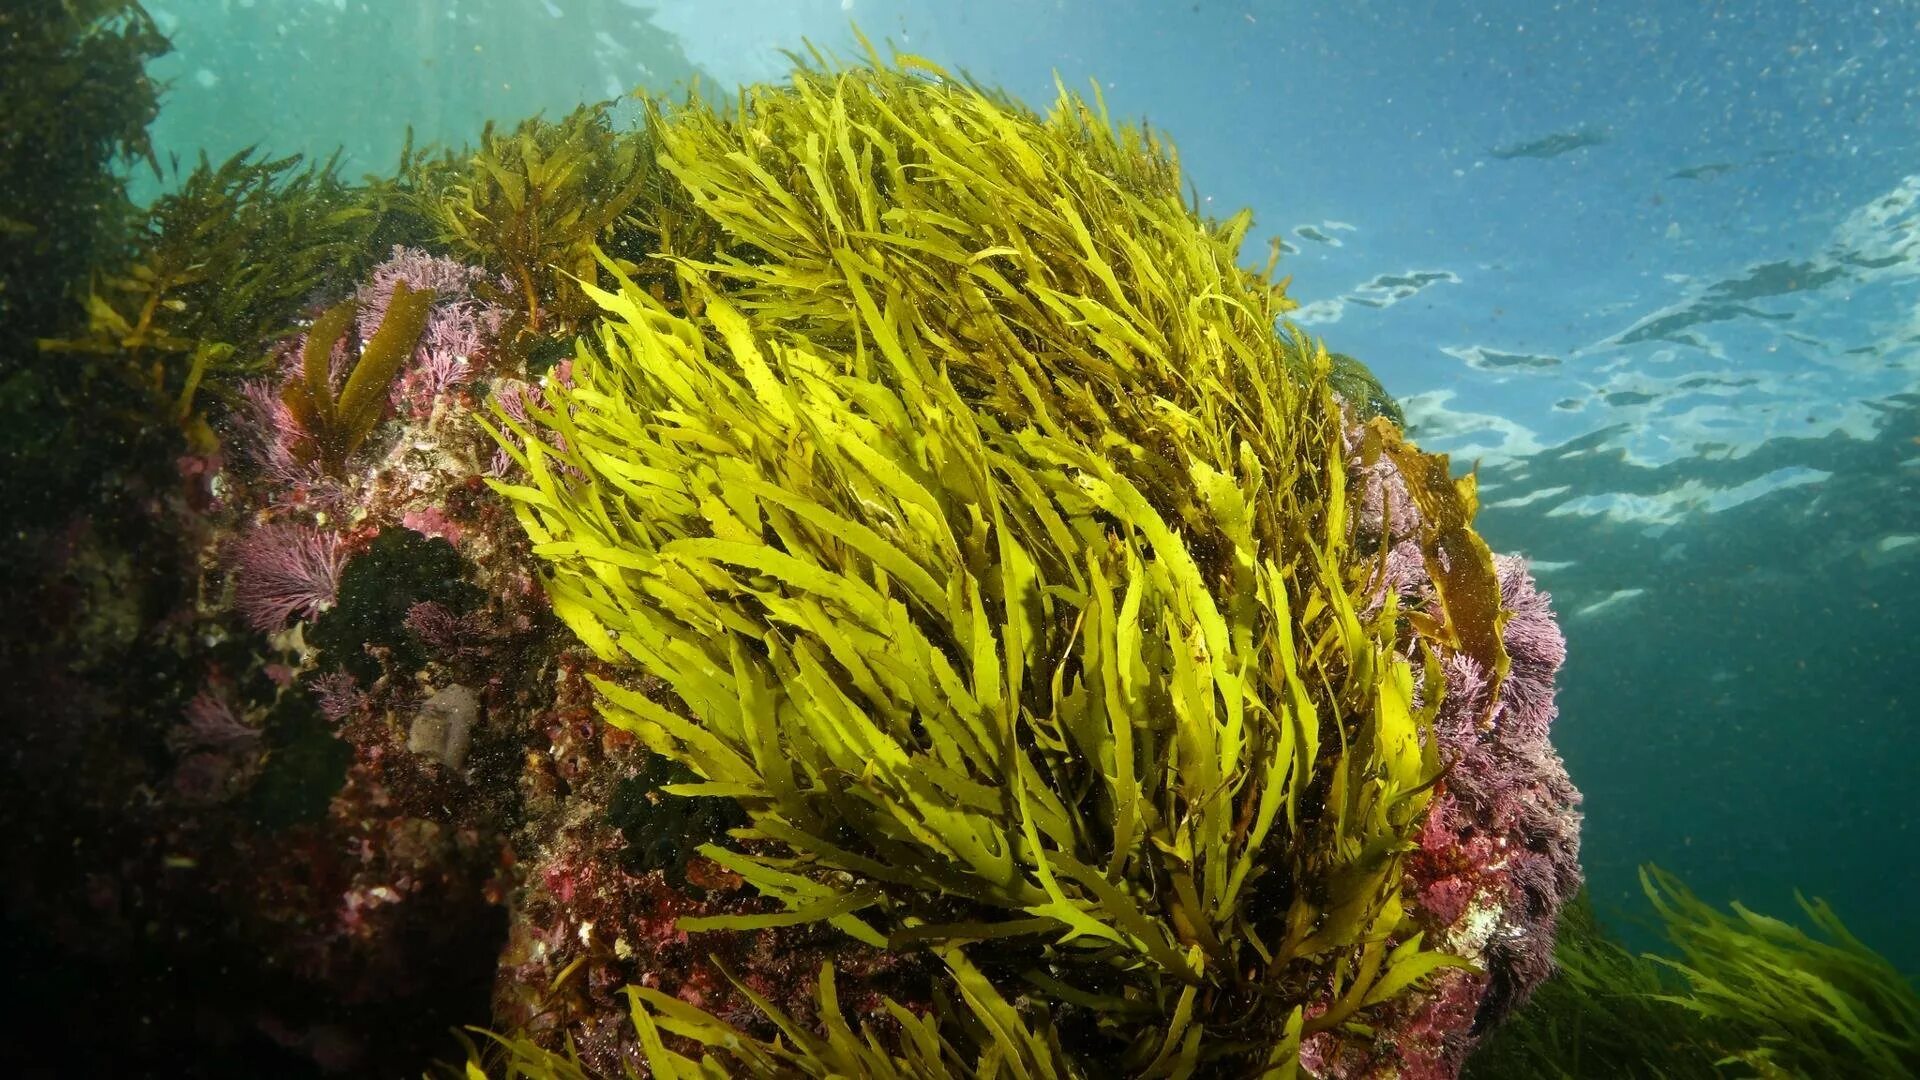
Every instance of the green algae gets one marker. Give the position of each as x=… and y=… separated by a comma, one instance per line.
x=1362, y=392
x=1731, y=993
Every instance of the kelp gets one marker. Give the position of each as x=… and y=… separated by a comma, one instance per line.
x=335, y=426
x=533, y=204
x=995, y=554
x=221, y=267
x=1458, y=561
x=1732, y=993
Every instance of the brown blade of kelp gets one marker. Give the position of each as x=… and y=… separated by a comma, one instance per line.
x=310, y=397
x=363, y=401
x=336, y=427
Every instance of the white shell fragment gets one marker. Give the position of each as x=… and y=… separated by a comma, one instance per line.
x=443, y=728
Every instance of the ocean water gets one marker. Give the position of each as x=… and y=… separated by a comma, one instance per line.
x=1651, y=268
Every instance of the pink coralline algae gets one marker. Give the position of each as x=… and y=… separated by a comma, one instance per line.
x=215, y=746
x=213, y=724
x=450, y=281
x=285, y=570
x=1536, y=646
x=268, y=434
x=1517, y=826
x=1499, y=852
x=432, y=521
x=347, y=887
x=337, y=695
x=457, y=331
x=515, y=399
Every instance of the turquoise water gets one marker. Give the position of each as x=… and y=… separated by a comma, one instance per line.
x=1652, y=266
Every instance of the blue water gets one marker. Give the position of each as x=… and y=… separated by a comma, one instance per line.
x=1654, y=266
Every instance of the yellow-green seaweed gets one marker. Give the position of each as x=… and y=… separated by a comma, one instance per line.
x=994, y=553
x=534, y=203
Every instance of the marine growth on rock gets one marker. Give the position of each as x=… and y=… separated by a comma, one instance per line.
x=879, y=590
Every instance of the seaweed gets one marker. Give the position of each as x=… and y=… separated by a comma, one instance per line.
x=336, y=426
x=74, y=110
x=400, y=569
x=994, y=553
x=1733, y=993
x=1787, y=1002
x=1362, y=392
x=221, y=267
x=980, y=1034
x=1458, y=561
x=971, y=1031
x=74, y=106
x=532, y=204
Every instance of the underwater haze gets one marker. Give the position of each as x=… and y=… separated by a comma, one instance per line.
x=1654, y=268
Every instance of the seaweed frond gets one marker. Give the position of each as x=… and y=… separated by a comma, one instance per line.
x=336, y=426
x=981, y=1034
x=221, y=267
x=1794, y=1003
x=995, y=553
x=971, y=1030
x=533, y=203
x=1737, y=993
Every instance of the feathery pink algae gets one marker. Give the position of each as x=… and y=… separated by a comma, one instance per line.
x=213, y=724
x=450, y=282
x=337, y=695
x=285, y=570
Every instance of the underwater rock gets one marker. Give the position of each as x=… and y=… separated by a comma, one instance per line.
x=443, y=728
